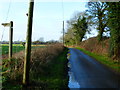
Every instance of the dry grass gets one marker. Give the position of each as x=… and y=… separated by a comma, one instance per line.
x=100, y=51
x=39, y=57
x=94, y=46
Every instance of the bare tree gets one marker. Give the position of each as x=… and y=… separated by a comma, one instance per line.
x=98, y=16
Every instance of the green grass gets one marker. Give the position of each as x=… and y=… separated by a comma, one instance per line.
x=5, y=49
x=114, y=65
x=16, y=48
x=12, y=86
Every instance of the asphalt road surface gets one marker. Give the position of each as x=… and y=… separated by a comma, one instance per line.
x=91, y=74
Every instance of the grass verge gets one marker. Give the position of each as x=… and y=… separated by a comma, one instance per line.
x=111, y=64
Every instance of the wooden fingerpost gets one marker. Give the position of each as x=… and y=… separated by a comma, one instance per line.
x=10, y=36
x=11, y=39
x=28, y=45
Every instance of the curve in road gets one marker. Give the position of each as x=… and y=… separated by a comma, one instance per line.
x=91, y=74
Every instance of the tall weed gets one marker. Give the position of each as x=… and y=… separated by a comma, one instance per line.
x=40, y=57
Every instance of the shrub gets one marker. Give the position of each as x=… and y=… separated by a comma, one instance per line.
x=39, y=58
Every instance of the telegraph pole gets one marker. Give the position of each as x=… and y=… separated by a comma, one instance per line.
x=10, y=36
x=63, y=33
x=28, y=45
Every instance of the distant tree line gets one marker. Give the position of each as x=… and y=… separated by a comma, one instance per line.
x=37, y=42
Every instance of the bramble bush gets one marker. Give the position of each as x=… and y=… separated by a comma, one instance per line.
x=40, y=57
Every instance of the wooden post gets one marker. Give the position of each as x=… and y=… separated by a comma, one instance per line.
x=10, y=39
x=63, y=33
x=28, y=45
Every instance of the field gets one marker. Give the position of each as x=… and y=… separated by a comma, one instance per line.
x=17, y=48
x=48, y=69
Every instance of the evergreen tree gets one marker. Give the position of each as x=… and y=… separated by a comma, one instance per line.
x=114, y=25
x=80, y=28
x=77, y=28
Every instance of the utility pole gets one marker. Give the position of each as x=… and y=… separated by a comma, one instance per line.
x=63, y=33
x=28, y=45
x=10, y=36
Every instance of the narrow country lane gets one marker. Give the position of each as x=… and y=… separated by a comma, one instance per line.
x=91, y=74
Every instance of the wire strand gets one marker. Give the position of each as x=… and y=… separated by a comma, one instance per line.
x=6, y=18
x=62, y=10
x=8, y=10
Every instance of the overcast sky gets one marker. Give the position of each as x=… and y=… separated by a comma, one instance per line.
x=47, y=21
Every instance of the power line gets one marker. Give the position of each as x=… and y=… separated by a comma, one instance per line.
x=8, y=10
x=2, y=33
x=6, y=18
x=62, y=10
x=63, y=20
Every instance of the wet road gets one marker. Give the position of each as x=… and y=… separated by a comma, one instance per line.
x=91, y=74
